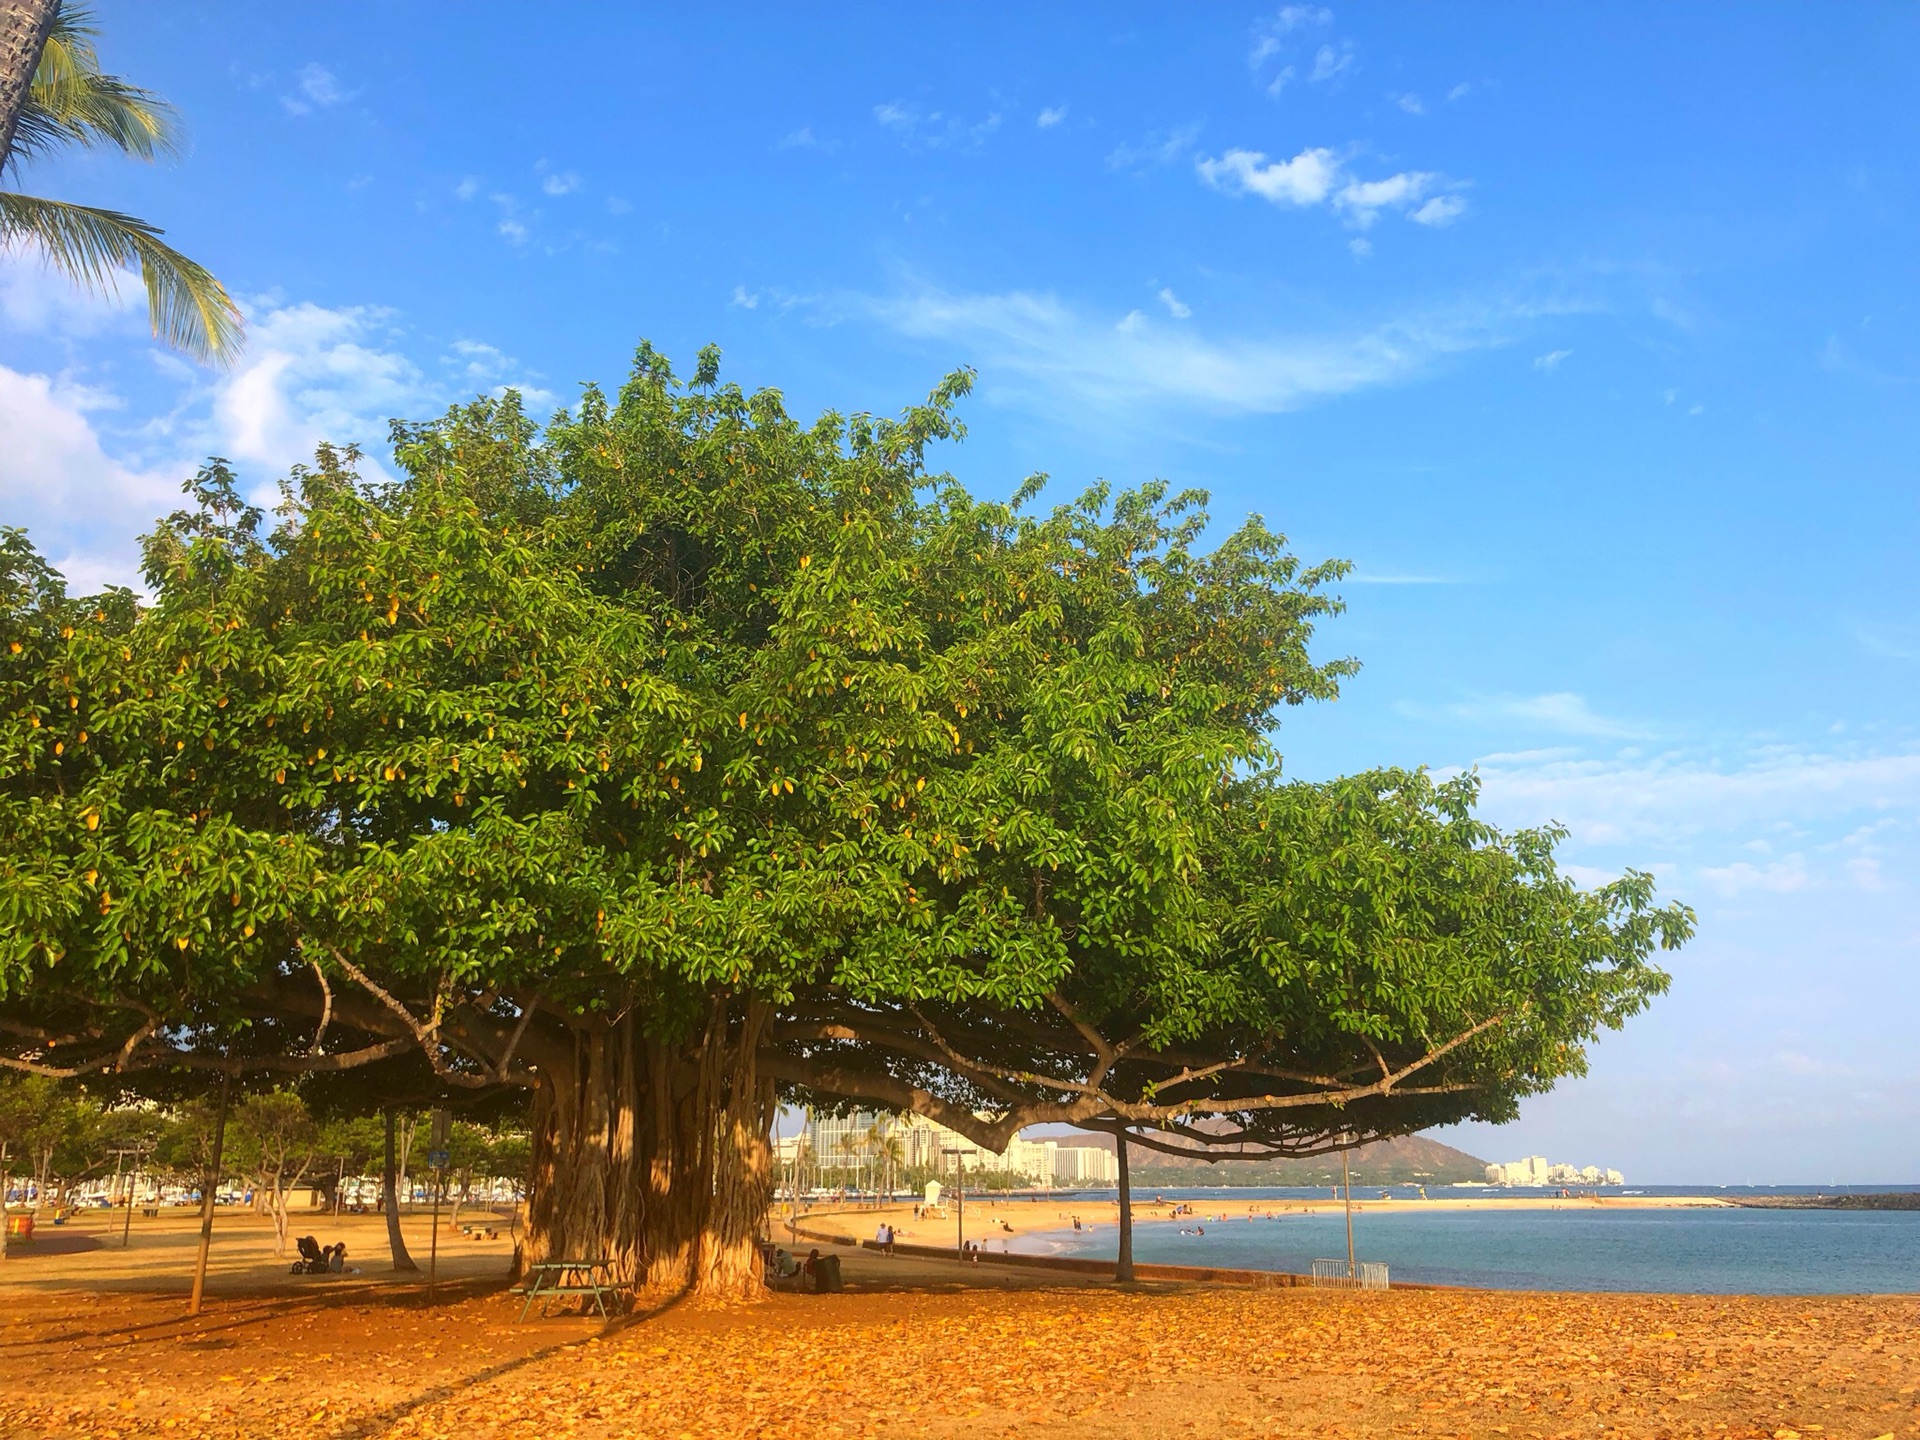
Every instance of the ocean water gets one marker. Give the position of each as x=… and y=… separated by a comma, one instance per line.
x=1698, y=1251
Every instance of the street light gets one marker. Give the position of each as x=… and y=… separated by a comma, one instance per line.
x=960, y=1198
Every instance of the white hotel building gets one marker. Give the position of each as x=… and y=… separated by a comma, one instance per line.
x=843, y=1142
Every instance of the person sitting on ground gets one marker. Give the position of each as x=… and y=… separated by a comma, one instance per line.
x=337, y=1258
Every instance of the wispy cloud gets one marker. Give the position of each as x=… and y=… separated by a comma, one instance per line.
x=315, y=88
x=1410, y=103
x=1175, y=307
x=923, y=129
x=1681, y=795
x=560, y=183
x=1331, y=62
x=1270, y=41
x=744, y=298
x=1051, y=116
x=1551, y=361
x=1156, y=148
x=804, y=139
x=1068, y=361
x=1890, y=641
x=1562, y=712
x=1318, y=176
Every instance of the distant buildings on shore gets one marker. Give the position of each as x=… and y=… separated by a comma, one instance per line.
x=885, y=1148
x=1534, y=1170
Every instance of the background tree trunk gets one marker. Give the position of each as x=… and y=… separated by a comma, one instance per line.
x=1123, y=1267
x=24, y=26
x=390, y=1199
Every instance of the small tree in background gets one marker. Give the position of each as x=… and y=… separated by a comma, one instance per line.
x=277, y=1146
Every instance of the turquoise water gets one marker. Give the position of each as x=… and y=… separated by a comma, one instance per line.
x=1700, y=1251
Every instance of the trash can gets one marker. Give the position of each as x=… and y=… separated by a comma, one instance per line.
x=21, y=1224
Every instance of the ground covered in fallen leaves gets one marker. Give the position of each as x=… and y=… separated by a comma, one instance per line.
x=910, y=1353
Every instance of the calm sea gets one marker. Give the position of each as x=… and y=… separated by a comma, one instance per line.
x=1702, y=1251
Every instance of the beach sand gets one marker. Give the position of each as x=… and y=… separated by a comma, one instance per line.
x=96, y=1343
x=989, y=1219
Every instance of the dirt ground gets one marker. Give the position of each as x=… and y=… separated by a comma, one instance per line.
x=95, y=1342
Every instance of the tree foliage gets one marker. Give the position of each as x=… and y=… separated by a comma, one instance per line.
x=756, y=753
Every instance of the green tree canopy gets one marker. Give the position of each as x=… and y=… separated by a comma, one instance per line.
x=682, y=751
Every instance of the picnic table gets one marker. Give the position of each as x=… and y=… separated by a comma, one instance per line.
x=553, y=1278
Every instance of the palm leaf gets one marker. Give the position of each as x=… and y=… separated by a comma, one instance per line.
x=190, y=310
x=71, y=102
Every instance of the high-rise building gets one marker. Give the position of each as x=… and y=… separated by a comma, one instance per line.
x=854, y=1143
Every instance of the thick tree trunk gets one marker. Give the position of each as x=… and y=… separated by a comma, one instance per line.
x=1123, y=1267
x=24, y=26
x=390, y=1202
x=653, y=1155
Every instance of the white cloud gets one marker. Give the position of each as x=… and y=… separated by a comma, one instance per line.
x=1550, y=361
x=1132, y=322
x=1052, y=116
x=1330, y=62
x=1317, y=176
x=310, y=374
x=1410, y=103
x=1460, y=91
x=1306, y=179
x=1440, y=210
x=86, y=477
x=922, y=129
x=745, y=299
x=1360, y=246
x=1673, y=796
x=315, y=88
x=467, y=188
x=36, y=301
x=1781, y=877
x=1174, y=306
x=801, y=139
x=1068, y=362
x=1159, y=147
x=561, y=183
x=57, y=480
x=1363, y=200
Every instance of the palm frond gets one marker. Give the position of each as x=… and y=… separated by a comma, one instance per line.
x=72, y=103
x=190, y=310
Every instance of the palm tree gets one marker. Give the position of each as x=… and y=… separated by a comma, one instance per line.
x=70, y=102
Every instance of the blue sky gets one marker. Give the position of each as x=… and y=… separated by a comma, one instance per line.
x=1587, y=334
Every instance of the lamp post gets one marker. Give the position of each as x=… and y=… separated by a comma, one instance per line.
x=1346, y=1185
x=960, y=1200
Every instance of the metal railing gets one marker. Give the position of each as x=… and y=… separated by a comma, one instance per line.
x=1333, y=1275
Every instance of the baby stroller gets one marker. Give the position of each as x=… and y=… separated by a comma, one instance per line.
x=313, y=1260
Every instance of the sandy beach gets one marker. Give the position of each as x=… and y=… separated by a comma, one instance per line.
x=1008, y=1219
x=95, y=1341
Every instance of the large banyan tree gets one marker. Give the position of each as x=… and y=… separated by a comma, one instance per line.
x=681, y=758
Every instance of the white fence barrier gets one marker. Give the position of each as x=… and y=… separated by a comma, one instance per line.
x=1332, y=1274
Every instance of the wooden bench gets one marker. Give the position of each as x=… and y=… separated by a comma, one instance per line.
x=552, y=1279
